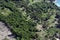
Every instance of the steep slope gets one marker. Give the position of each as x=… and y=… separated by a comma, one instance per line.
x=31, y=19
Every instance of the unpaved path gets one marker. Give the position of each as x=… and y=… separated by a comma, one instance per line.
x=4, y=32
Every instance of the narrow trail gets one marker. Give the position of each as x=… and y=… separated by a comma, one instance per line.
x=4, y=32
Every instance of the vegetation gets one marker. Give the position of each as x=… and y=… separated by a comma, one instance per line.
x=22, y=16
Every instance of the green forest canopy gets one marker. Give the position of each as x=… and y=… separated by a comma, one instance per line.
x=22, y=16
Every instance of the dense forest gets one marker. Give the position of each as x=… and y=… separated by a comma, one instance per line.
x=31, y=19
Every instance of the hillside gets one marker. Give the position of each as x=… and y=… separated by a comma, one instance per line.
x=31, y=19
